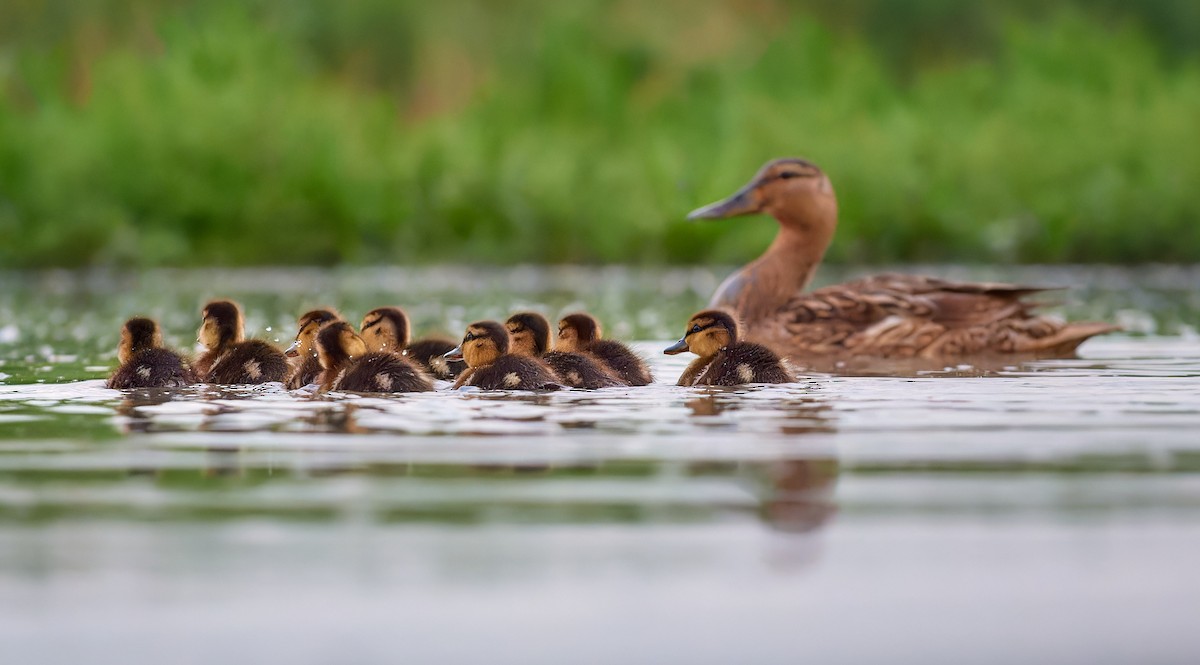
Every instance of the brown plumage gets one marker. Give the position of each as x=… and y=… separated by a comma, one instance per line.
x=529, y=334
x=145, y=362
x=302, y=355
x=348, y=365
x=387, y=329
x=490, y=366
x=724, y=359
x=581, y=333
x=891, y=315
x=229, y=359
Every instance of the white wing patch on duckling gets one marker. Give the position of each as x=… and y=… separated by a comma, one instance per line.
x=384, y=382
x=512, y=380
x=439, y=366
x=143, y=371
x=253, y=369
x=745, y=373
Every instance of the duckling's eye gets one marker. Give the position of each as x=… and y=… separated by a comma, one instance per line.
x=696, y=328
x=469, y=337
x=789, y=174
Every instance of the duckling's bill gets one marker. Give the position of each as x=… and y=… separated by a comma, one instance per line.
x=677, y=347
x=293, y=350
x=454, y=354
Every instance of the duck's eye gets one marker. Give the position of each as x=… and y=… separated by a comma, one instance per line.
x=789, y=174
x=469, y=337
x=696, y=328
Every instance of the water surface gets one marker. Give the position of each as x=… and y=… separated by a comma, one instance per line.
x=1045, y=510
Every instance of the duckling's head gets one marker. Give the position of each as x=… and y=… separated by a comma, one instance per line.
x=306, y=337
x=222, y=324
x=529, y=333
x=577, y=331
x=707, y=333
x=794, y=191
x=484, y=342
x=338, y=344
x=138, y=334
x=385, y=329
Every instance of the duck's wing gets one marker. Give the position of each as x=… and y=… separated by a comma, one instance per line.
x=905, y=316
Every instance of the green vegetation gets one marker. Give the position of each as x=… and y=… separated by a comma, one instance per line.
x=170, y=132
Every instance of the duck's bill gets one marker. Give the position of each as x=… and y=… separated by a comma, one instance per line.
x=454, y=354
x=742, y=203
x=677, y=347
x=293, y=350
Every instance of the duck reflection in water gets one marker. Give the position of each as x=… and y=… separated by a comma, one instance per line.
x=797, y=415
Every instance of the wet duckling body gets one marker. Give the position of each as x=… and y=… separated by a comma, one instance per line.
x=145, y=362
x=580, y=333
x=724, y=360
x=883, y=316
x=348, y=365
x=490, y=366
x=387, y=329
x=302, y=354
x=231, y=359
x=529, y=334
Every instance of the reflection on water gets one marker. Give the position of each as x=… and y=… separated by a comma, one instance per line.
x=1024, y=508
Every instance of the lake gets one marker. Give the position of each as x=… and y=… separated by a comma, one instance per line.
x=1045, y=510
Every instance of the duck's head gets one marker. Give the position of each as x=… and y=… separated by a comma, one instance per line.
x=138, y=334
x=338, y=344
x=310, y=323
x=577, y=331
x=707, y=333
x=484, y=342
x=385, y=329
x=794, y=191
x=222, y=324
x=529, y=333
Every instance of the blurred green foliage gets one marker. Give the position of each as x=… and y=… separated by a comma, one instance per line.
x=170, y=132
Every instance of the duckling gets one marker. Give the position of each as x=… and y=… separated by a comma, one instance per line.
x=347, y=364
x=145, y=362
x=529, y=333
x=304, y=360
x=724, y=360
x=580, y=333
x=884, y=316
x=491, y=367
x=386, y=329
x=231, y=359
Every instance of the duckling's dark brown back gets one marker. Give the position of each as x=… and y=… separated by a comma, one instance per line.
x=743, y=363
x=579, y=371
x=628, y=365
x=429, y=353
x=511, y=372
x=252, y=361
x=383, y=372
x=152, y=368
x=307, y=373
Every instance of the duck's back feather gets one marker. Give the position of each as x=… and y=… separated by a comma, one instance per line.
x=580, y=371
x=628, y=365
x=741, y=363
x=511, y=372
x=153, y=368
x=382, y=373
x=308, y=372
x=429, y=354
x=903, y=316
x=251, y=361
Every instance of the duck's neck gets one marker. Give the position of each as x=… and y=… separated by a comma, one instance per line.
x=786, y=268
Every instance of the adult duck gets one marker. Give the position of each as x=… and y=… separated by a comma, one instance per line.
x=887, y=316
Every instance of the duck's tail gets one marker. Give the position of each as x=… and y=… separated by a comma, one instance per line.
x=1067, y=340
